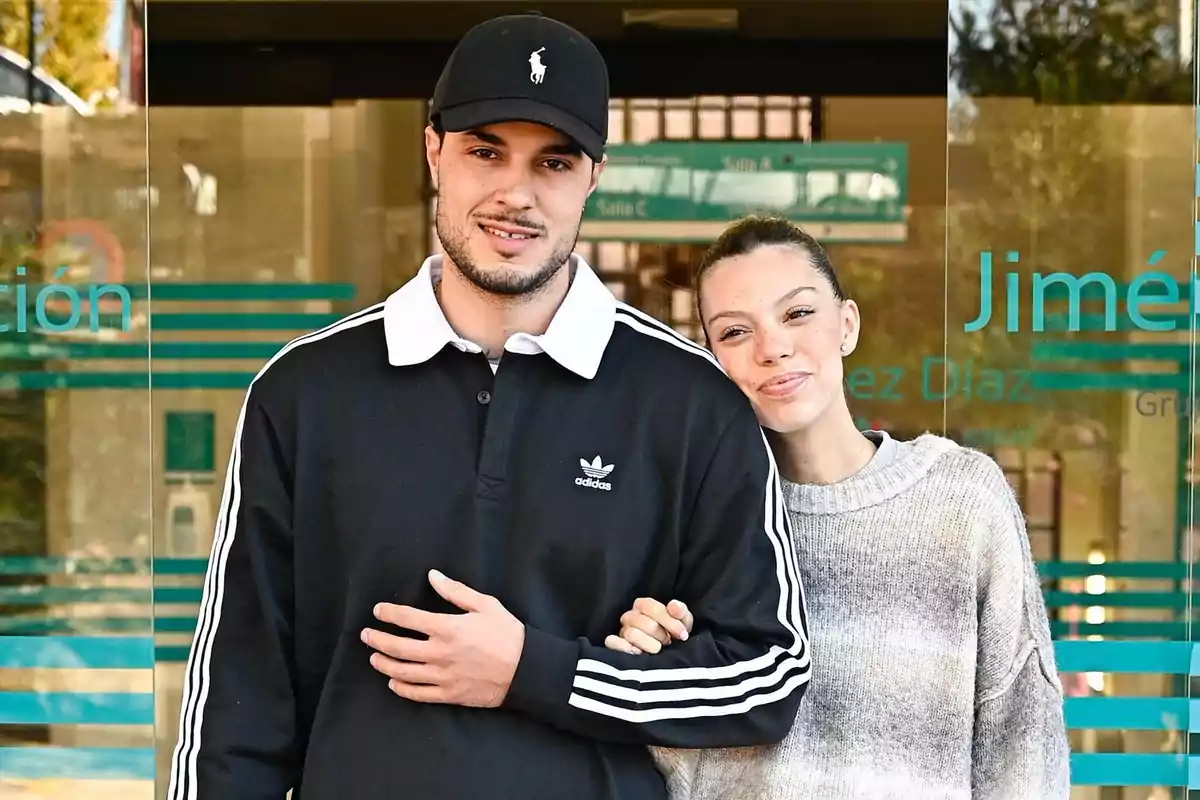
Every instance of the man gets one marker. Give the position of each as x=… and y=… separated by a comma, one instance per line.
x=437, y=508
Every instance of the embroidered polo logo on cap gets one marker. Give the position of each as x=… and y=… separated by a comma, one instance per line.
x=537, y=70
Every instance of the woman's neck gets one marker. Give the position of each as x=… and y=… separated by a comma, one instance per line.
x=827, y=451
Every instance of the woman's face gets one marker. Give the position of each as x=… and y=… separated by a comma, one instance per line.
x=776, y=327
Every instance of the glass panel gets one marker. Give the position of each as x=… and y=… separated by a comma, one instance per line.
x=1070, y=245
x=77, y=655
x=273, y=222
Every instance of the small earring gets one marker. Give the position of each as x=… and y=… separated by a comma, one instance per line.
x=843, y=348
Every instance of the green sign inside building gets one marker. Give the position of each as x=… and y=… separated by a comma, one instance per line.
x=189, y=441
x=689, y=191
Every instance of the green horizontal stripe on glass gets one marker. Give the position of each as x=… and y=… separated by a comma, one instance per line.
x=215, y=292
x=43, y=381
x=1106, y=381
x=1132, y=769
x=57, y=565
x=180, y=566
x=76, y=708
x=1113, y=569
x=38, y=351
x=239, y=322
x=1111, y=351
x=92, y=626
x=76, y=652
x=1170, y=658
x=1059, y=322
x=208, y=292
x=57, y=595
x=189, y=321
x=77, y=763
x=171, y=654
x=1172, y=600
x=1149, y=292
x=1129, y=713
x=1131, y=630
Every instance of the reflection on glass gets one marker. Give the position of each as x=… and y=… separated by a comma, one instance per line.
x=1071, y=156
x=77, y=650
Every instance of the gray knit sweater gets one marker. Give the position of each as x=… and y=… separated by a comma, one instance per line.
x=933, y=669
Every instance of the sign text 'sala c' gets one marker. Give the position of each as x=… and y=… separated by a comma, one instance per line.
x=1166, y=290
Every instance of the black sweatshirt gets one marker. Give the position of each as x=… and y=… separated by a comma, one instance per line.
x=606, y=460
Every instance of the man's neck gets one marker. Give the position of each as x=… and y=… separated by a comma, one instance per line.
x=489, y=320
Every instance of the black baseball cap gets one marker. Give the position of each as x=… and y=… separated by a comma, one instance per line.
x=529, y=68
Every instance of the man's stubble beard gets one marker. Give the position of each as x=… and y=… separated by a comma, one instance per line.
x=508, y=282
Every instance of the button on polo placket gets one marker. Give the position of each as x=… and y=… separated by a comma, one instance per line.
x=503, y=402
x=492, y=480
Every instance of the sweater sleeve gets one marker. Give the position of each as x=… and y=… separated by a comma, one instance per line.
x=1020, y=748
x=237, y=732
x=739, y=678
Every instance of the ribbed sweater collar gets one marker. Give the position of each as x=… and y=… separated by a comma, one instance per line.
x=869, y=487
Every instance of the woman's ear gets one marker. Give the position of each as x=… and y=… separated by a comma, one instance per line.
x=851, y=324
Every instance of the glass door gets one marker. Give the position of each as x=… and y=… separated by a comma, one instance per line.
x=1070, y=249
x=77, y=648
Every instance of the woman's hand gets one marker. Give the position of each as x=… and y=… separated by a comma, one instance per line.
x=650, y=626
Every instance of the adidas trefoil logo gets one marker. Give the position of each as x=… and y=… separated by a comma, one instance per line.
x=596, y=472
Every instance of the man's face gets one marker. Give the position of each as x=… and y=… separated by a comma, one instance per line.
x=510, y=200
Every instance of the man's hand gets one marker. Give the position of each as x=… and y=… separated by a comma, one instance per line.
x=468, y=660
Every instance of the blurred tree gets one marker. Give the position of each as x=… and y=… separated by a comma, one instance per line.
x=1069, y=51
x=70, y=41
x=1052, y=160
x=22, y=414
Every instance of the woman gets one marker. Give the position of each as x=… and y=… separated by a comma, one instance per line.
x=933, y=668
